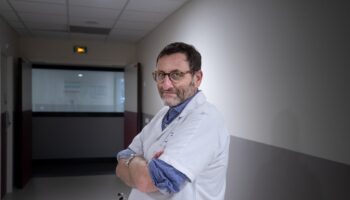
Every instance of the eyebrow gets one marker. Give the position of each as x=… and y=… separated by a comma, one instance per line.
x=176, y=70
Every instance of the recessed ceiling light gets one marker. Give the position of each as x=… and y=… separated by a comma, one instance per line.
x=80, y=75
x=89, y=30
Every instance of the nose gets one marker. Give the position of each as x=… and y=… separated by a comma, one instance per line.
x=166, y=84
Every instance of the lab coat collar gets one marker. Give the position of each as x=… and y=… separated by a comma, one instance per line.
x=197, y=100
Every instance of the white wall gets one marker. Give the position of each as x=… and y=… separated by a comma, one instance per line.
x=58, y=51
x=278, y=70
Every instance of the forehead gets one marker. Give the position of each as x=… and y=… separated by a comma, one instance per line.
x=176, y=61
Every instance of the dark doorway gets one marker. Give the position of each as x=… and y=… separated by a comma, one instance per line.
x=23, y=124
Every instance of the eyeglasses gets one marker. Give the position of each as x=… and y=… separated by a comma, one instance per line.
x=174, y=76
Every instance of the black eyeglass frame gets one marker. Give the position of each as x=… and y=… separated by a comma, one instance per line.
x=182, y=74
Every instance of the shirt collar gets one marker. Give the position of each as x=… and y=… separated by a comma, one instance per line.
x=178, y=108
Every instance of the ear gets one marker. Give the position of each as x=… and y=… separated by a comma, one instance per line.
x=197, y=78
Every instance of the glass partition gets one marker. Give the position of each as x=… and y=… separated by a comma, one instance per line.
x=60, y=90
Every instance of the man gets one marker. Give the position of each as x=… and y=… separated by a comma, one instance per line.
x=182, y=153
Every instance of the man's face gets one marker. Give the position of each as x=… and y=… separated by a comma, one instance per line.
x=175, y=92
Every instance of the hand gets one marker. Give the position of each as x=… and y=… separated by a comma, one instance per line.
x=122, y=172
x=158, y=154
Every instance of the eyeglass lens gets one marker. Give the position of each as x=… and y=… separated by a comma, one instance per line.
x=173, y=76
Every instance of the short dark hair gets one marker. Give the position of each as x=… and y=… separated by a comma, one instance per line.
x=194, y=58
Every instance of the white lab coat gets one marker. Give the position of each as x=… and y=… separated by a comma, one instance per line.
x=195, y=143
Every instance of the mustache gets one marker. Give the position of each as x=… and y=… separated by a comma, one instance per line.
x=169, y=90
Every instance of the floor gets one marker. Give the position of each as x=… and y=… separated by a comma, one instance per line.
x=59, y=184
x=91, y=187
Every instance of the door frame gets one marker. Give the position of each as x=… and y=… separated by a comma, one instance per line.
x=133, y=117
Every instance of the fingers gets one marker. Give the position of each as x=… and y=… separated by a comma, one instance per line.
x=158, y=154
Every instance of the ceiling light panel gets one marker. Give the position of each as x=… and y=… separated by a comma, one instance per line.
x=89, y=30
x=111, y=4
x=85, y=21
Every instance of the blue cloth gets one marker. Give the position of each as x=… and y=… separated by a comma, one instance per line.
x=165, y=177
x=124, y=154
x=174, y=111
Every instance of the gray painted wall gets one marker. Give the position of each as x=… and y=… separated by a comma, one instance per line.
x=262, y=172
x=259, y=171
x=77, y=137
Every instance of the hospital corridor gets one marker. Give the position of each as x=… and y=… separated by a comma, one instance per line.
x=80, y=79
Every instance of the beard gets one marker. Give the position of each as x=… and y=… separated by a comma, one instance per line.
x=171, y=97
x=174, y=96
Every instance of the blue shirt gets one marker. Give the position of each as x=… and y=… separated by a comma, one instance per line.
x=174, y=111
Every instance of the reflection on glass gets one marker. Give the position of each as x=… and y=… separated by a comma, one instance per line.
x=56, y=90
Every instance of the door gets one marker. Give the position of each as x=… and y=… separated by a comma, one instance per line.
x=23, y=124
x=133, y=102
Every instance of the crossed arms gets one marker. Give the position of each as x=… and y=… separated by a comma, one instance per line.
x=136, y=175
x=154, y=176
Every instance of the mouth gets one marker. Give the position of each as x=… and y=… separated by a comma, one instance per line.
x=165, y=94
x=169, y=94
x=170, y=97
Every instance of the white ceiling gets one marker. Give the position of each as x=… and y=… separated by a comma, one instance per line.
x=123, y=20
